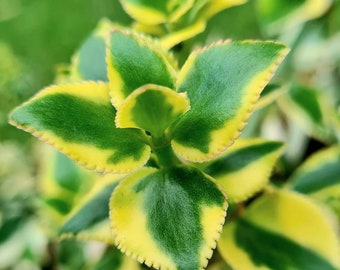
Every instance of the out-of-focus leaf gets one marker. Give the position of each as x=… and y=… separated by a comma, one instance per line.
x=281, y=230
x=284, y=14
x=245, y=167
x=319, y=177
x=89, y=219
x=309, y=109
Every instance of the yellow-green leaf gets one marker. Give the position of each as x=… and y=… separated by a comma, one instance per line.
x=284, y=14
x=309, y=109
x=223, y=83
x=156, y=12
x=78, y=119
x=319, y=177
x=245, y=167
x=152, y=108
x=89, y=219
x=134, y=60
x=89, y=61
x=168, y=219
x=281, y=230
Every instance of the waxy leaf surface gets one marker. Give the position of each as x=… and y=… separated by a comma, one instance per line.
x=281, y=230
x=223, y=83
x=134, y=60
x=78, y=119
x=152, y=108
x=169, y=218
x=245, y=167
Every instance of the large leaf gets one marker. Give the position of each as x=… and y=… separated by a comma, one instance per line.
x=223, y=83
x=78, y=120
x=89, y=219
x=245, y=167
x=152, y=108
x=135, y=60
x=168, y=218
x=281, y=230
x=319, y=177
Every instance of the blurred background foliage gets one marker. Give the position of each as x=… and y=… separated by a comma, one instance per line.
x=39, y=37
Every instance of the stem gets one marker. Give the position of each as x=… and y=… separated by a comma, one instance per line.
x=164, y=153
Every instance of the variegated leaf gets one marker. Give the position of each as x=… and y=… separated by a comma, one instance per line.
x=215, y=6
x=319, y=177
x=307, y=107
x=176, y=37
x=134, y=60
x=89, y=219
x=89, y=62
x=281, y=230
x=156, y=12
x=113, y=259
x=78, y=119
x=223, y=83
x=245, y=167
x=284, y=14
x=152, y=108
x=169, y=218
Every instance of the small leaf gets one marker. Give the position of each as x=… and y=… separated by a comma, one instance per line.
x=170, y=40
x=134, y=60
x=152, y=108
x=308, y=109
x=156, y=12
x=281, y=230
x=223, y=83
x=89, y=62
x=215, y=6
x=168, y=219
x=285, y=14
x=319, y=177
x=113, y=259
x=78, y=120
x=245, y=167
x=89, y=220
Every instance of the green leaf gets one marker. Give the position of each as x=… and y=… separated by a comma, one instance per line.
x=89, y=220
x=223, y=83
x=245, y=167
x=89, y=62
x=284, y=14
x=308, y=108
x=78, y=120
x=113, y=259
x=168, y=219
x=269, y=94
x=135, y=60
x=156, y=12
x=152, y=108
x=281, y=230
x=319, y=177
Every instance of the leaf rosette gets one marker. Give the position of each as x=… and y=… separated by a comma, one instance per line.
x=149, y=112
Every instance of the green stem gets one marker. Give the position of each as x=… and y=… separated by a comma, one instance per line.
x=164, y=153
